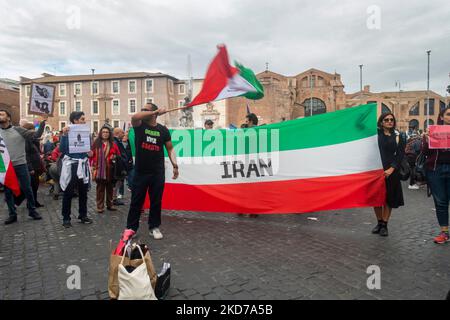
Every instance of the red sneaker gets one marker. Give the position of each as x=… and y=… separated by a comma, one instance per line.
x=442, y=238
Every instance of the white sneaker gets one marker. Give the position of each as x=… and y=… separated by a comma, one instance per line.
x=414, y=187
x=119, y=196
x=156, y=234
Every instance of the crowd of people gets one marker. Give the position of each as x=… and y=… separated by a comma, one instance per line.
x=117, y=162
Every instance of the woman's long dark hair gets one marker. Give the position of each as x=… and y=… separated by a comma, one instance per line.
x=440, y=120
x=99, y=141
x=381, y=118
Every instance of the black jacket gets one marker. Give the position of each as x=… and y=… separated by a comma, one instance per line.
x=125, y=154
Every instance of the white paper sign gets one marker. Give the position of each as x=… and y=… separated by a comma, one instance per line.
x=79, y=138
x=42, y=99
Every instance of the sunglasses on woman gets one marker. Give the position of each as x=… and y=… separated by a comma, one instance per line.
x=388, y=120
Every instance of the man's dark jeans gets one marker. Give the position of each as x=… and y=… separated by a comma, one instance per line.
x=23, y=175
x=154, y=185
x=439, y=182
x=68, y=195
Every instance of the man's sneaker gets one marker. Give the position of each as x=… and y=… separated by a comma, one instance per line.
x=67, y=224
x=128, y=234
x=112, y=208
x=119, y=196
x=442, y=238
x=11, y=220
x=86, y=220
x=414, y=187
x=156, y=234
x=35, y=216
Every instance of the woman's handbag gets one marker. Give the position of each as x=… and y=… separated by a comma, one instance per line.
x=404, y=169
x=134, y=282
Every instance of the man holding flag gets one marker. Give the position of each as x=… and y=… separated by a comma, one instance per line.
x=13, y=167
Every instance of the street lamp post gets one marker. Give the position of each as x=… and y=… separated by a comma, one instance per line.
x=311, y=95
x=360, y=83
x=428, y=89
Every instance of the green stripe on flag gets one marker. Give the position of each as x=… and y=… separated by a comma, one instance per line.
x=321, y=130
x=2, y=164
x=249, y=75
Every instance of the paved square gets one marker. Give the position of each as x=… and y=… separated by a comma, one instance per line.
x=222, y=256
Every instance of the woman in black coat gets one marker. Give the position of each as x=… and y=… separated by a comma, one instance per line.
x=392, y=150
x=32, y=149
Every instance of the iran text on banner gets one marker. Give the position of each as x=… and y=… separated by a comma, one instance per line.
x=223, y=81
x=7, y=174
x=324, y=162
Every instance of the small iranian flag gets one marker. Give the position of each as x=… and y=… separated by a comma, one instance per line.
x=7, y=174
x=223, y=81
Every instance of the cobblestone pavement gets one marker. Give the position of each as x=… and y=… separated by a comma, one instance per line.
x=222, y=256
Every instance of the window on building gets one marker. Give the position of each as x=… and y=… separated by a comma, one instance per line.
x=132, y=86
x=116, y=123
x=149, y=86
x=62, y=90
x=115, y=87
x=62, y=124
x=78, y=106
x=320, y=81
x=305, y=82
x=431, y=107
x=95, y=110
x=94, y=88
x=318, y=107
x=132, y=106
x=95, y=126
x=27, y=107
x=442, y=105
x=78, y=91
x=149, y=100
x=115, y=107
x=385, y=109
x=170, y=86
x=62, y=108
x=181, y=89
x=415, y=110
x=313, y=81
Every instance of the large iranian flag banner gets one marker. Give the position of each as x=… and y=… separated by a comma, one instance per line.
x=324, y=162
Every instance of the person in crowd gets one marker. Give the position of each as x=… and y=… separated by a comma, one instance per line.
x=48, y=144
x=438, y=178
x=209, y=124
x=412, y=151
x=54, y=171
x=251, y=120
x=150, y=140
x=392, y=150
x=119, y=189
x=34, y=162
x=15, y=138
x=75, y=173
x=104, y=151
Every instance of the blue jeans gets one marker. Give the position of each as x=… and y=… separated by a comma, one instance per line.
x=439, y=182
x=23, y=175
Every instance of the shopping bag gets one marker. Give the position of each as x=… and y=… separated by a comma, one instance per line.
x=163, y=282
x=134, y=283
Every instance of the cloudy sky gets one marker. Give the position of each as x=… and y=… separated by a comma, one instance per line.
x=390, y=38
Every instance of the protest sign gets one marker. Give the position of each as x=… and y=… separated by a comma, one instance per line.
x=42, y=99
x=79, y=138
x=439, y=137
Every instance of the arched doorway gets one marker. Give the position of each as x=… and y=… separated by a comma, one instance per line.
x=318, y=107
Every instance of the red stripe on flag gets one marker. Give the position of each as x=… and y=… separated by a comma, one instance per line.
x=11, y=181
x=294, y=196
x=216, y=79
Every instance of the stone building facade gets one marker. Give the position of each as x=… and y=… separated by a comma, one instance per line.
x=10, y=98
